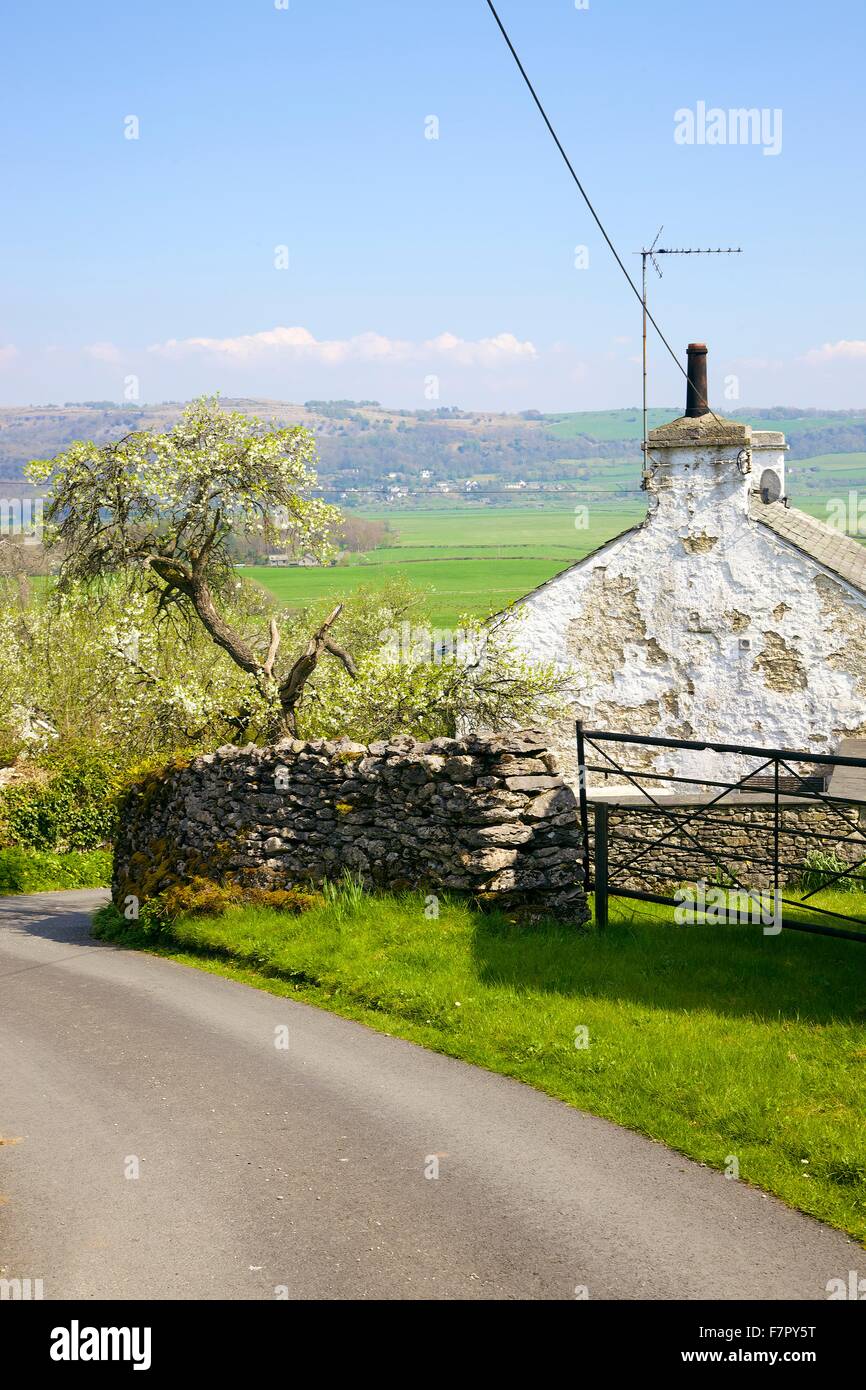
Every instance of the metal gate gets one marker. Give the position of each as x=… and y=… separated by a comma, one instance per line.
x=783, y=781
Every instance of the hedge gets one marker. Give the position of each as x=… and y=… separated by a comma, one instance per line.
x=74, y=807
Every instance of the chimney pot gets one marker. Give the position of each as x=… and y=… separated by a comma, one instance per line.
x=696, y=389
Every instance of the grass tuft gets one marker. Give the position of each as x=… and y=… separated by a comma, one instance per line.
x=41, y=871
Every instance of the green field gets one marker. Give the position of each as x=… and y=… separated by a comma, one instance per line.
x=608, y=424
x=549, y=531
x=469, y=561
x=804, y=424
x=613, y=425
x=454, y=587
x=826, y=472
x=475, y=559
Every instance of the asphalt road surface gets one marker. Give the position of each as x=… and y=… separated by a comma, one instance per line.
x=267, y=1171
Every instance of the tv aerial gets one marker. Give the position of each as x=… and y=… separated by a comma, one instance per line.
x=650, y=254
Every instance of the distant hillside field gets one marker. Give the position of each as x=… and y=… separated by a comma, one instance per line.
x=368, y=449
x=468, y=563
x=480, y=507
x=825, y=469
x=477, y=560
x=607, y=424
x=550, y=532
x=456, y=587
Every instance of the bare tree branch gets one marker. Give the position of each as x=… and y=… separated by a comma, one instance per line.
x=268, y=667
x=292, y=686
x=178, y=575
x=340, y=652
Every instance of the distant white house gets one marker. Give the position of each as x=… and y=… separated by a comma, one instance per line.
x=281, y=560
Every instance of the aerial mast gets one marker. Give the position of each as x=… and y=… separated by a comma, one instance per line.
x=649, y=253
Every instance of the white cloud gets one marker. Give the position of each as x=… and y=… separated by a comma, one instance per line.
x=8, y=354
x=483, y=352
x=845, y=350
x=299, y=343
x=103, y=352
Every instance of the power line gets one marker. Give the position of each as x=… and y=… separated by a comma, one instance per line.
x=583, y=192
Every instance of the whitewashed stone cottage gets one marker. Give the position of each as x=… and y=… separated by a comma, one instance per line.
x=724, y=615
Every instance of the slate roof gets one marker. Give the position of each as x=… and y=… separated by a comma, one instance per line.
x=849, y=783
x=822, y=543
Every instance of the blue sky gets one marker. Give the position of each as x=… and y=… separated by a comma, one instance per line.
x=417, y=264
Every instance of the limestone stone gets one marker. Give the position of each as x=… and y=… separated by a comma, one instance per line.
x=532, y=784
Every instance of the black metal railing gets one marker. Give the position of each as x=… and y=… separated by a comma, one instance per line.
x=781, y=778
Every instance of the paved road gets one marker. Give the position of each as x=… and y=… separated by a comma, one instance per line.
x=303, y=1169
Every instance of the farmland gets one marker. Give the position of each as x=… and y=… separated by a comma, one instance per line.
x=480, y=508
x=475, y=558
x=467, y=561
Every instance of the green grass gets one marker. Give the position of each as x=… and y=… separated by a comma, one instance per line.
x=608, y=424
x=804, y=424
x=477, y=559
x=412, y=554
x=474, y=562
x=40, y=871
x=716, y=1041
x=833, y=464
x=477, y=587
x=552, y=524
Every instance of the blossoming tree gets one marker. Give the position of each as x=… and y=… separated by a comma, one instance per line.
x=162, y=507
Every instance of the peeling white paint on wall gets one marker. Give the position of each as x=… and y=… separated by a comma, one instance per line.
x=701, y=623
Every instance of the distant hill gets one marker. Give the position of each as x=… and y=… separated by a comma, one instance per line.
x=809, y=432
x=372, y=454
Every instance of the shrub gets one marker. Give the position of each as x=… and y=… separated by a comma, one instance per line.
x=10, y=749
x=821, y=868
x=34, y=871
x=73, y=808
x=109, y=924
x=345, y=896
x=202, y=897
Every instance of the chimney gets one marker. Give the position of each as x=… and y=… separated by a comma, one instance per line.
x=696, y=390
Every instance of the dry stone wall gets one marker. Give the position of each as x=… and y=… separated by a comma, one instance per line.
x=485, y=815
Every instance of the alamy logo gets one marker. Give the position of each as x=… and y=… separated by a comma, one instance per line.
x=699, y=904
x=738, y=126
x=409, y=645
x=21, y=1290
x=77, y=1343
x=853, y=1287
x=21, y=516
x=847, y=514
